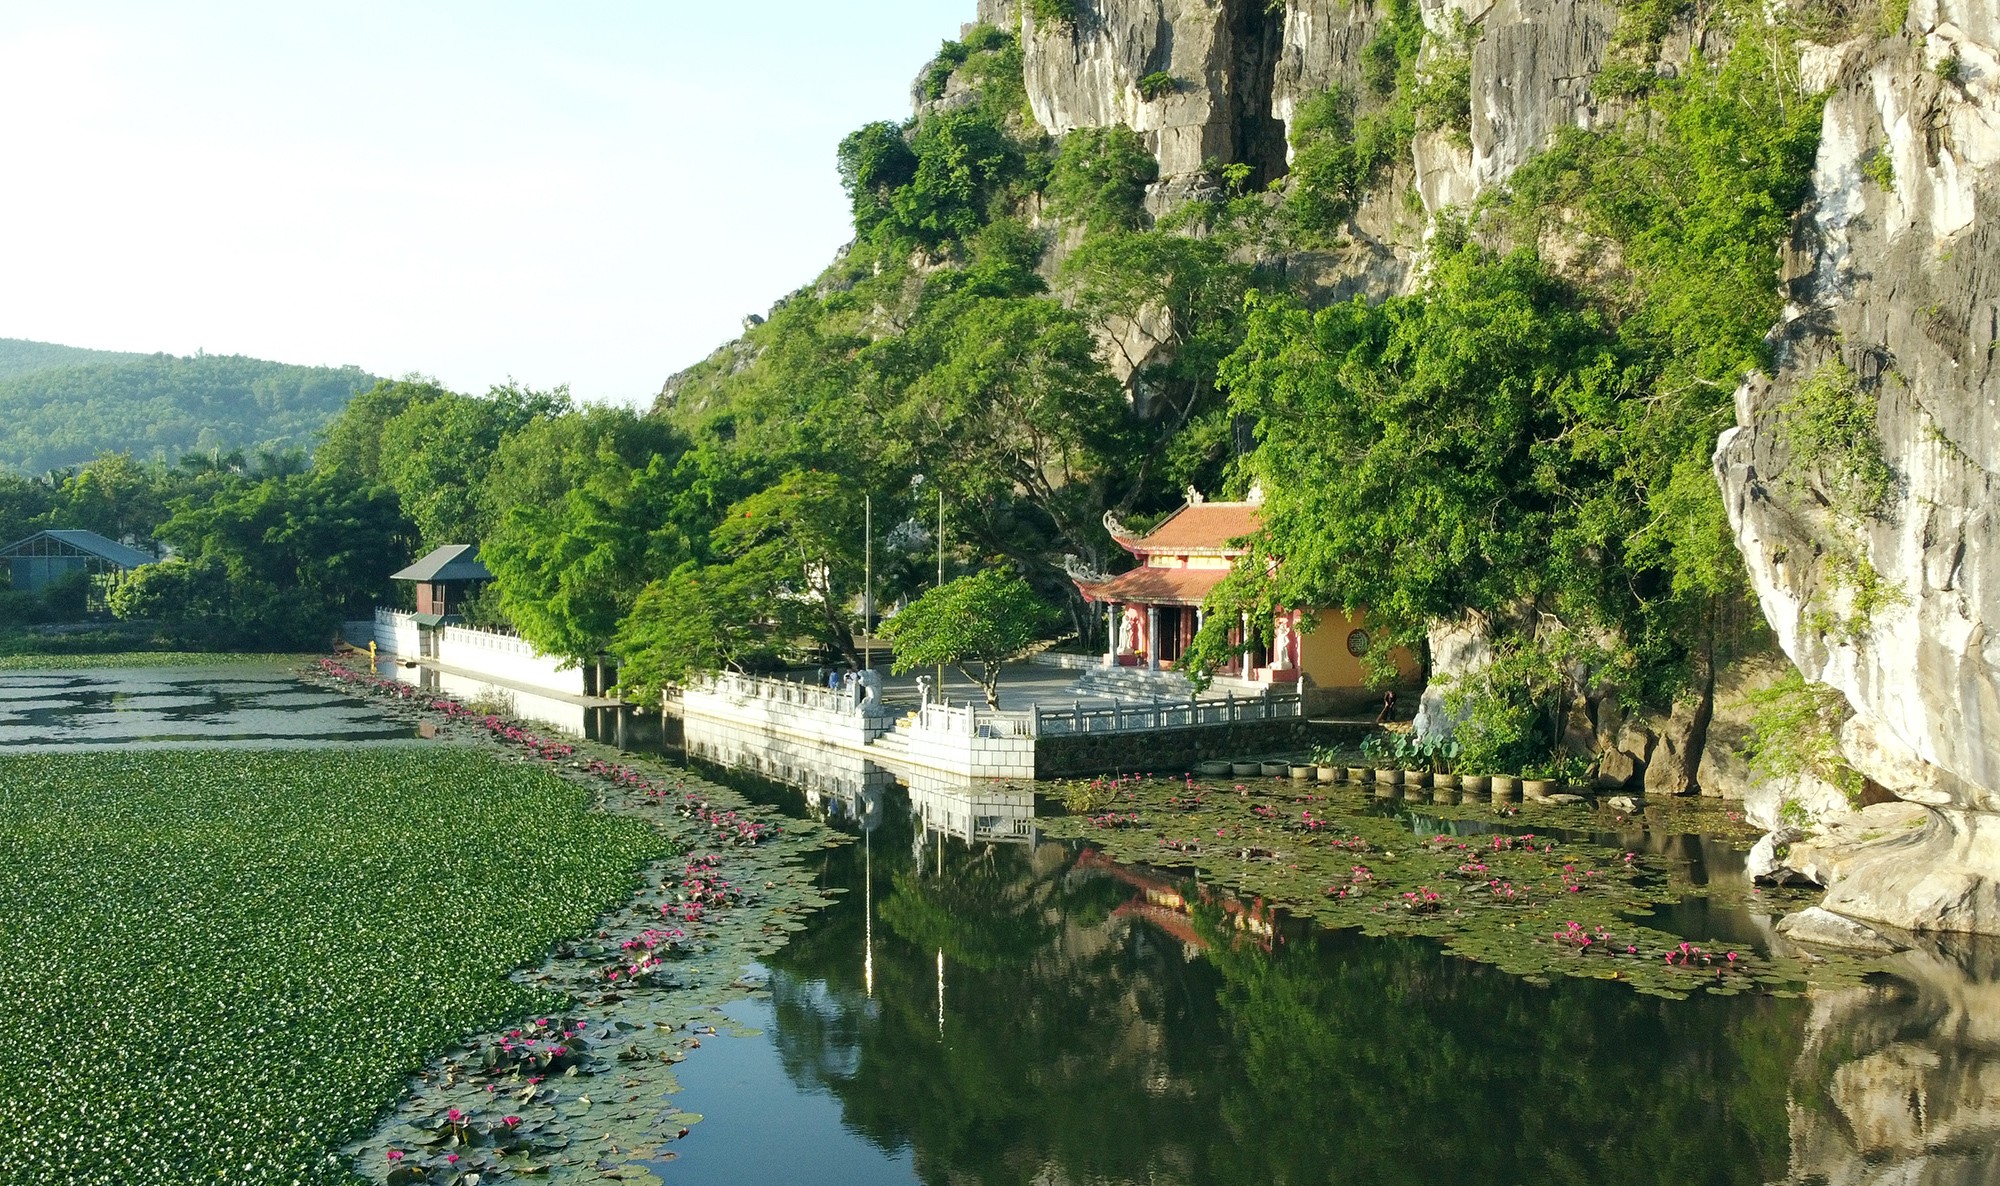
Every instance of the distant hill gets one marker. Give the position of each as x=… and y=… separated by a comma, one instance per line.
x=20, y=357
x=158, y=406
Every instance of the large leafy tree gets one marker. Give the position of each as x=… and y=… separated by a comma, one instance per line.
x=974, y=624
x=696, y=619
x=437, y=454
x=272, y=562
x=1006, y=404
x=1409, y=450
x=568, y=570
x=795, y=549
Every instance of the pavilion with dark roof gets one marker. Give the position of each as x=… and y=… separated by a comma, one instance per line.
x=1155, y=609
x=444, y=578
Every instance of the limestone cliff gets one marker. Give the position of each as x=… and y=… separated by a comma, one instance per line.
x=1896, y=272
x=1893, y=269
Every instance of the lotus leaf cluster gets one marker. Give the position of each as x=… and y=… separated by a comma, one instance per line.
x=1537, y=899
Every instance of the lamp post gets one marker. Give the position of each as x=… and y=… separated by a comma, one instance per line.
x=940, y=537
x=867, y=582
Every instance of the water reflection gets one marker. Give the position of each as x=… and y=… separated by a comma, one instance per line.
x=225, y=705
x=1899, y=1081
x=1030, y=1012
x=1112, y=1025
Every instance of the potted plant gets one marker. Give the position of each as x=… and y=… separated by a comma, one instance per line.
x=1410, y=756
x=1474, y=784
x=1378, y=753
x=1326, y=762
x=1443, y=753
x=1506, y=784
x=1538, y=779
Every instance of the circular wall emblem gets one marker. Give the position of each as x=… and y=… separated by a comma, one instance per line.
x=1357, y=642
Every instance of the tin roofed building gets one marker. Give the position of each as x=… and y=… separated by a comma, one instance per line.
x=42, y=559
x=444, y=578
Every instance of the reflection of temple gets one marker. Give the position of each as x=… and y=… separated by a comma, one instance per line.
x=1162, y=904
x=1154, y=610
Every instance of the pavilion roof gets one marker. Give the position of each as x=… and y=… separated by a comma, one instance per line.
x=1199, y=528
x=1156, y=586
x=452, y=562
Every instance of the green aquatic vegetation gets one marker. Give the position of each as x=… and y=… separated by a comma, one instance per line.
x=219, y=966
x=1527, y=896
x=30, y=662
x=643, y=989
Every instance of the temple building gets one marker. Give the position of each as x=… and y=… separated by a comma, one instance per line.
x=1154, y=610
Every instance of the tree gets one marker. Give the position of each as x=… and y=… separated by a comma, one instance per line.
x=569, y=570
x=437, y=454
x=1005, y=402
x=352, y=442
x=1100, y=177
x=271, y=562
x=696, y=619
x=795, y=549
x=984, y=619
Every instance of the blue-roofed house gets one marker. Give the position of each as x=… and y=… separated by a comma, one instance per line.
x=35, y=563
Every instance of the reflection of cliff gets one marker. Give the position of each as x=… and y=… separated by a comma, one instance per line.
x=1900, y=1081
x=1080, y=1043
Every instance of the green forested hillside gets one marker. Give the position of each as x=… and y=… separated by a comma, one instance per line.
x=19, y=356
x=159, y=406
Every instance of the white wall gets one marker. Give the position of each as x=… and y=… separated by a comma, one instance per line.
x=781, y=708
x=477, y=652
x=499, y=656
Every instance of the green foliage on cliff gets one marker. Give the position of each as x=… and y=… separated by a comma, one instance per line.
x=1794, y=729
x=1099, y=179
x=1516, y=439
x=159, y=407
x=932, y=183
x=1829, y=426
x=1344, y=142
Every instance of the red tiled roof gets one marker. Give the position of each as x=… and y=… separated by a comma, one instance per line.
x=1205, y=527
x=1156, y=586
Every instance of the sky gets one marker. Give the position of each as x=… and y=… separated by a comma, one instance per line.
x=589, y=193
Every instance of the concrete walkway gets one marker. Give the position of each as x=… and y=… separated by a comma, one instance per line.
x=1021, y=686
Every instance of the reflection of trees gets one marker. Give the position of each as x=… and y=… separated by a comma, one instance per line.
x=981, y=913
x=1399, y=1064
x=1082, y=1045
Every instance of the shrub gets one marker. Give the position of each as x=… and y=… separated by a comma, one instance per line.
x=1100, y=178
x=1055, y=13
x=1880, y=168
x=1829, y=426
x=1794, y=729
x=1157, y=84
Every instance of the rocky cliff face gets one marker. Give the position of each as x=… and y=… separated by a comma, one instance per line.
x=1896, y=272
x=1242, y=68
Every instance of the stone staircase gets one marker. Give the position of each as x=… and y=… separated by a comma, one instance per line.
x=1142, y=685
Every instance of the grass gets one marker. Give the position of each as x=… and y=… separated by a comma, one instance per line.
x=219, y=967
x=44, y=662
